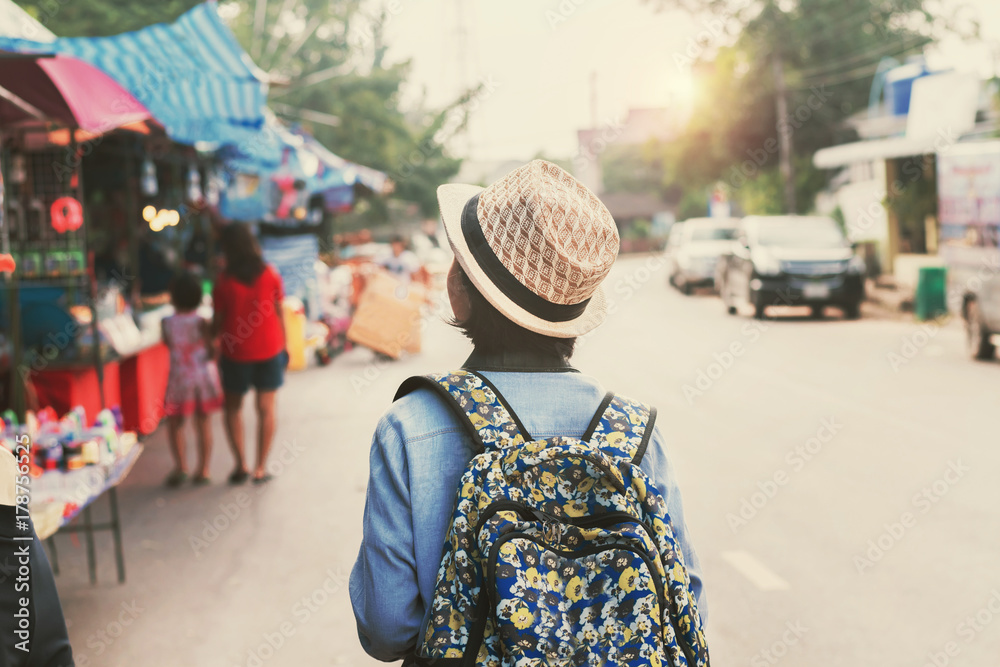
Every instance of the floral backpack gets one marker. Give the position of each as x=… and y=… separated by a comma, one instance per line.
x=560, y=551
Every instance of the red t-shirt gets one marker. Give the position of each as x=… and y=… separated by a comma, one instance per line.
x=251, y=330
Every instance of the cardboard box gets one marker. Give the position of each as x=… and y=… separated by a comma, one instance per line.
x=388, y=316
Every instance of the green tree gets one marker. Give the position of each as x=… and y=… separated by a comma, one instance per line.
x=829, y=51
x=98, y=18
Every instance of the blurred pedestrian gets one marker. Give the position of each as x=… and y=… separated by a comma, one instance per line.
x=401, y=263
x=251, y=330
x=531, y=252
x=193, y=382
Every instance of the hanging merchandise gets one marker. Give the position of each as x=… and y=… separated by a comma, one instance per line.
x=194, y=193
x=66, y=214
x=150, y=186
x=214, y=187
x=18, y=172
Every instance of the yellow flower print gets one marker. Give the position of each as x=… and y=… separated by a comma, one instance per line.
x=522, y=618
x=535, y=446
x=537, y=495
x=680, y=575
x=575, y=508
x=508, y=549
x=635, y=418
x=629, y=579
x=468, y=489
x=478, y=420
x=548, y=479
x=586, y=485
x=555, y=582
x=615, y=438
x=659, y=527
x=456, y=620
x=574, y=589
x=532, y=578
x=654, y=660
x=478, y=395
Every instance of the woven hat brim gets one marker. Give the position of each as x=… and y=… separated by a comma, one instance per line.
x=452, y=199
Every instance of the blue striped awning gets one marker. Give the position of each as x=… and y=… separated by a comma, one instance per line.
x=192, y=74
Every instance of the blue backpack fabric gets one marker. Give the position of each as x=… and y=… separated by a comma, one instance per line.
x=560, y=551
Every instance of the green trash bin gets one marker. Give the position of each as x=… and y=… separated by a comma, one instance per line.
x=931, y=300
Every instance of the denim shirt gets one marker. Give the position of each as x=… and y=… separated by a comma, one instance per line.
x=418, y=455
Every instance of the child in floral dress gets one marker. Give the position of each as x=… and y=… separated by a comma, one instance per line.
x=193, y=385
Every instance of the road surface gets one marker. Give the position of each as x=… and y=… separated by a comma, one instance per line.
x=839, y=480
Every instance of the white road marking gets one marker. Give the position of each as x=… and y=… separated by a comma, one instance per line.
x=758, y=573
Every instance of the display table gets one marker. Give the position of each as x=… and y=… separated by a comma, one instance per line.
x=143, y=386
x=57, y=498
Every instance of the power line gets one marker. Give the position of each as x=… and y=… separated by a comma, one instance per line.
x=876, y=53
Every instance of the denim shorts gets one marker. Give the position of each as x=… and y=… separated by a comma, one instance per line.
x=266, y=375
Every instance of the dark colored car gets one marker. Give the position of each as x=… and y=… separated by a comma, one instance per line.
x=792, y=261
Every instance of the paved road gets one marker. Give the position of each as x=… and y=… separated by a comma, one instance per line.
x=839, y=480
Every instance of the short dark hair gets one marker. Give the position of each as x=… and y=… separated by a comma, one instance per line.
x=491, y=331
x=185, y=292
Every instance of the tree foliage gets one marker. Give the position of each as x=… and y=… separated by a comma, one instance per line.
x=326, y=61
x=830, y=51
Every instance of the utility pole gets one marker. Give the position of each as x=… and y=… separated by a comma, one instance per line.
x=784, y=133
x=593, y=100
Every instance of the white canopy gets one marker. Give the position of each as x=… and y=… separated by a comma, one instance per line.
x=15, y=22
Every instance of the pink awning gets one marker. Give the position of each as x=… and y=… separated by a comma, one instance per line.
x=66, y=90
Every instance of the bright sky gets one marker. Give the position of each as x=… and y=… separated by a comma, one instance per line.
x=537, y=57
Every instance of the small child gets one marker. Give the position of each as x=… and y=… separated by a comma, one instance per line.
x=193, y=385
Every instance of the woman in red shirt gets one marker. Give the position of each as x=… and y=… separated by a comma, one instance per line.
x=248, y=320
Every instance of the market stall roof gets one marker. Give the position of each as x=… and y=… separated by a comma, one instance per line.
x=281, y=152
x=191, y=75
x=864, y=151
x=66, y=90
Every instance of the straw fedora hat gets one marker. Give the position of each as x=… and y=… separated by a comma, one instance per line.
x=536, y=244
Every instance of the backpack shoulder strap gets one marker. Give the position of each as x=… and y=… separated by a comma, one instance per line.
x=622, y=428
x=481, y=408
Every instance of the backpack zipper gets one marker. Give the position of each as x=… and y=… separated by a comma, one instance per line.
x=487, y=596
x=593, y=521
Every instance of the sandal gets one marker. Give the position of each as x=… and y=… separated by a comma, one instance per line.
x=239, y=477
x=201, y=480
x=176, y=478
x=263, y=479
